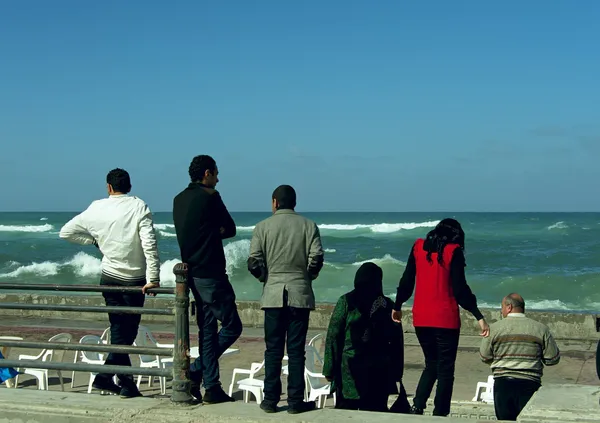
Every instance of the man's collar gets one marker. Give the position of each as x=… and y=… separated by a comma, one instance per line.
x=198, y=185
x=285, y=211
x=117, y=195
x=515, y=315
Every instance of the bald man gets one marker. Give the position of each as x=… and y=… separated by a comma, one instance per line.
x=518, y=348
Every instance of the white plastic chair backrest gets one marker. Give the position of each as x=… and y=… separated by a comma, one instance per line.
x=51, y=355
x=105, y=337
x=312, y=360
x=255, y=368
x=317, y=343
x=144, y=338
x=91, y=355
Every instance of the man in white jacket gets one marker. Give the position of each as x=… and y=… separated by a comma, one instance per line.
x=121, y=227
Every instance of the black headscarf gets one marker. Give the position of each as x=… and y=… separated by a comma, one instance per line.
x=448, y=231
x=368, y=288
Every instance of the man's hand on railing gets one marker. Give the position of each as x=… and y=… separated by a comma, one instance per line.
x=148, y=286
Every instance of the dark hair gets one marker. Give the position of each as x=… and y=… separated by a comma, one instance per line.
x=200, y=164
x=285, y=196
x=119, y=180
x=448, y=231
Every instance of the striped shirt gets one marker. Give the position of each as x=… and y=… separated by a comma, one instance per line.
x=519, y=347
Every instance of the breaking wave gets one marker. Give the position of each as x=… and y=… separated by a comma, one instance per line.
x=26, y=228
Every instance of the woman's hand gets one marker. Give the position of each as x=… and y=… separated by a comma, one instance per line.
x=485, y=328
x=397, y=316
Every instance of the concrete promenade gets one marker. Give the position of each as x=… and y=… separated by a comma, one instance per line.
x=577, y=366
x=576, y=335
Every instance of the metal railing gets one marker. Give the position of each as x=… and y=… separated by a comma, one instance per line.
x=180, y=351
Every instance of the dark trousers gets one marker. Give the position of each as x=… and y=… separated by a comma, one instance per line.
x=511, y=396
x=439, y=348
x=280, y=322
x=215, y=302
x=123, y=330
x=598, y=359
x=377, y=402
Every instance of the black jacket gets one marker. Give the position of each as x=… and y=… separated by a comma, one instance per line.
x=201, y=223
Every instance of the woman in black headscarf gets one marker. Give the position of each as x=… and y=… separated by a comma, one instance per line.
x=364, y=351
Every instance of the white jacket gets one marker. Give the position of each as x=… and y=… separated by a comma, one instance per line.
x=122, y=227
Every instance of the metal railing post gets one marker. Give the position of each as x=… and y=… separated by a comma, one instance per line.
x=181, y=360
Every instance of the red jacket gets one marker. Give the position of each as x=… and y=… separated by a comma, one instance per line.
x=434, y=303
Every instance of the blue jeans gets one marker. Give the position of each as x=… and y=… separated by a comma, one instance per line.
x=215, y=301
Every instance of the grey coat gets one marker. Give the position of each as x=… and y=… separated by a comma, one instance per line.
x=286, y=255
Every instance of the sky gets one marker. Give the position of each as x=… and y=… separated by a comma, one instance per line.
x=361, y=106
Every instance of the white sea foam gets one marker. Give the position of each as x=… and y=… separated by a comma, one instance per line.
x=386, y=259
x=26, y=228
x=383, y=228
x=167, y=277
x=556, y=305
x=46, y=268
x=85, y=265
x=330, y=250
x=44, y=218
x=167, y=234
x=558, y=225
x=164, y=226
x=236, y=255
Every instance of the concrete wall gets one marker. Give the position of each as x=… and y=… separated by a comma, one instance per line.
x=563, y=325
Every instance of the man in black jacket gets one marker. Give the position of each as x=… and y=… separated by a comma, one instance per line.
x=201, y=223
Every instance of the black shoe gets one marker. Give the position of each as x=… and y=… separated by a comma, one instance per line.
x=130, y=392
x=416, y=411
x=216, y=396
x=106, y=385
x=268, y=407
x=302, y=407
x=195, y=391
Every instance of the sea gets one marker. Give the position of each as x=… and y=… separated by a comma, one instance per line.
x=552, y=259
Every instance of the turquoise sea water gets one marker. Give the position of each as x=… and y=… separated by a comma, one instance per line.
x=552, y=259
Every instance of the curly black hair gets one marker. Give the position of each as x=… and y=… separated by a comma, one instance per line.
x=448, y=231
x=200, y=164
x=119, y=180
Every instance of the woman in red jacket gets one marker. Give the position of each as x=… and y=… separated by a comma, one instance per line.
x=436, y=272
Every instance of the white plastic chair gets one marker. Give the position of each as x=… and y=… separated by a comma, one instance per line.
x=105, y=339
x=46, y=355
x=91, y=357
x=250, y=384
x=286, y=369
x=317, y=387
x=484, y=391
x=145, y=339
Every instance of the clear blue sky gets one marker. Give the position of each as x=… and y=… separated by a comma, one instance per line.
x=387, y=105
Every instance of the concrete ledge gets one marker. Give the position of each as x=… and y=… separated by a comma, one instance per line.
x=33, y=406
x=576, y=326
x=563, y=403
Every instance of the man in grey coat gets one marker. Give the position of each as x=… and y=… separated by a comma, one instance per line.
x=286, y=255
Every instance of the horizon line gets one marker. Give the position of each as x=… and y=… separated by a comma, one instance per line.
x=343, y=211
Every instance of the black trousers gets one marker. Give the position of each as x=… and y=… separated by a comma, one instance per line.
x=511, y=395
x=598, y=360
x=439, y=348
x=215, y=302
x=377, y=402
x=123, y=330
x=280, y=323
